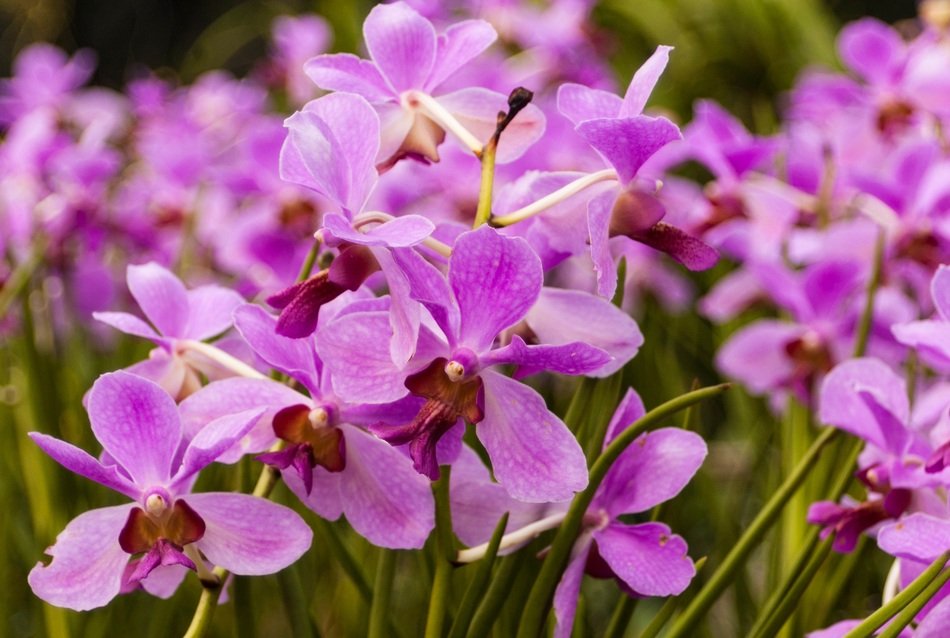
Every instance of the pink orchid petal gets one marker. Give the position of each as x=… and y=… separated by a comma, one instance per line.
x=459, y=44
x=920, y=537
x=129, y=324
x=161, y=296
x=346, y=72
x=81, y=463
x=210, y=311
x=579, y=103
x=643, y=82
x=871, y=48
x=534, y=456
x=627, y=143
x=402, y=43
x=569, y=588
x=293, y=357
x=599, y=211
x=648, y=557
x=212, y=441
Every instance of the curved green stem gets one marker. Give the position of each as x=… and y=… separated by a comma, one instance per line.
x=382, y=593
x=479, y=582
x=439, y=598
x=537, y=605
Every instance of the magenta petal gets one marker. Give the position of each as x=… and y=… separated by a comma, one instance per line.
x=648, y=557
x=940, y=291
x=841, y=403
x=87, y=566
x=212, y=441
x=756, y=355
x=402, y=44
x=247, y=535
x=599, y=211
x=428, y=286
x=166, y=370
x=324, y=495
x=293, y=357
x=129, y=324
x=346, y=72
x=496, y=280
x=935, y=623
x=77, y=461
x=568, y=358
x=563, y=316
x=137, y=423
x=920, y=537
x=641, y=86
x=931, y=340
x=627, y=143
x=460, y=43
x=534, y=456
x=654, y=469
x=400, y=232
x=569, y=588
x=163, y=581
x=477, y=109
x=871, y=48
x=686, y=249
x=578, y=103
x=210, y=311
x=628, y=411
x=405, y=315
x=161, y=296
x=356, y=351
x=384, y=498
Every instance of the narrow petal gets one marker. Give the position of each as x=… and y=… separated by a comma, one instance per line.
x=76, y=460
x=346, y=72
x=628, y=411
x=137, y=423
x=626, y=143
x=534, y=456
x=212, y=441
x=87, y=566
x=384, y=498
x=648, y=558
x=564, y=316
x=940, y=290
x=579, y=103
x=920, y=537
x=496, y=280
x=294, y=357
x=568, y=358
x=405, y=315
x=931, y=340
x=210, y=311
x=401, y=232
x=654, y=469
x=599, y=211
x=569, y=588
x=429, y=287
x=402, y=44
x=161, y=296
x=129, y=324
x=460, y=43
x=641, y=86
x=247, y=535
x=693, y=253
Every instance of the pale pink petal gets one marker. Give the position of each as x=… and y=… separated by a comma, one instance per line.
x=129, y=324
x=569, y=588
x=402, y=44
x=460, y=43
x=648, y=558
x=210, y=310
x=346, y=72
x=161, y=296
x=641, y=86
x=579, y=103
x=78, y=461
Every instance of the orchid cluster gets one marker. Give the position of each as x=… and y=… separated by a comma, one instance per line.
x=379, y=300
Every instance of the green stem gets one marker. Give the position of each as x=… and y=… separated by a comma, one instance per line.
x=382, y=593
x=902, y=600
x=867, y=316
x=294, y=602
x=308, y=263
x=537, y=605
x=750, y=539
x=21, y=275
x=497, y=594
x=439, y=597
x=666, y=611
x=771, y=624
x=483, y=212
x=907, y=615
x=620, y=619
x=476, y=588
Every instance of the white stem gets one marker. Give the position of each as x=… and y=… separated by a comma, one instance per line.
x=441, y=116
x=204, y=574
x=513, y=539
x=892, y=583
x=222, y=358
x=558, y=196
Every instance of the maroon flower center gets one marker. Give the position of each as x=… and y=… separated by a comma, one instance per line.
x=178, y=525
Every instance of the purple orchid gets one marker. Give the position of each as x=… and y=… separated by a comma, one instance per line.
x=931, y=338
x=647, y=559
x=329, y=460
x=493, y=281
x=109, y=550
x=44, y=77
x=409, y=61
x=179, y=316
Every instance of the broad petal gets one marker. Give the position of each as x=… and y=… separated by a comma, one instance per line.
x=166, y=370
x=384, y=498
x=294, y=357
x=81, y=463
x=940, y=291
x=841, y=403
x=161, y=296
x=496, y=280
x=871, y=48
x=86, y=570
x=212, y=441
x=641, y=86
x=578, y=103
x=230, y=396
x=310, y=157
x=931, y=339
x=653, y=469
x=346, y=72
x=324, y=497
x=137, y=423
x=460, y=43
x=919, y=537
x=356, y=351
x=935, y=623
x=247, y=535
x=568, y=358
x=129, y=324
x=400, y=232
x=534, y=456
x=626, y=143
x=599, y=211
x=564, y=316
x=402, y=44
x=477, y=109
x=163, y=581
x=569, y=588
x=210, y=311
x=648, y=557
x=756, y=355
